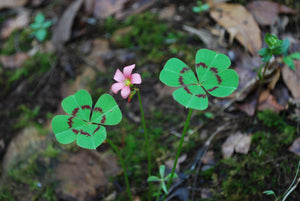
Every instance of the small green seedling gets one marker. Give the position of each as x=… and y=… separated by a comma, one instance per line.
x=162, y=179
x=213, y=74
x=200, y=7
x=275, y=47
x=85, y=123
x=40, y=26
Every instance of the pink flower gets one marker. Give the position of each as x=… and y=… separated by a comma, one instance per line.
x=125, y=80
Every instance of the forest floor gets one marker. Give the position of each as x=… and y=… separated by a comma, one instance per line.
x=228, y=153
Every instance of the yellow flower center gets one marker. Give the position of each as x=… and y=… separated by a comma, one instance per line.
x=127, y=82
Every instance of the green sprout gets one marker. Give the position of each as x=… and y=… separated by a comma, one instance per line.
x=40, y=26
x=200, y=7
x=85, y=123
x=162, y=179
x=276, y=47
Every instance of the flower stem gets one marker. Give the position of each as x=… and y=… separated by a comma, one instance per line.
x=145, y=133
x=123, y=167
x=187, y=122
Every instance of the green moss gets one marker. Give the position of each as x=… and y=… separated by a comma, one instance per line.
x=247, y=176
x=31, y=174
x=18, y=40
x=151, y=36
x=271, y=119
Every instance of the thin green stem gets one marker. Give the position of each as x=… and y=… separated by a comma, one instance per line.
x=186, y=125
x=145, y=133
x=146, y=140
x=123, y=167
x=261, y=81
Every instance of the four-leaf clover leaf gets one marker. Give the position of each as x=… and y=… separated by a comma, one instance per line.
x=213, y=74
x=85, y=123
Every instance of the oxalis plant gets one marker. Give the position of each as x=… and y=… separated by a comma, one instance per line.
x=213, y=77
x=86, y=123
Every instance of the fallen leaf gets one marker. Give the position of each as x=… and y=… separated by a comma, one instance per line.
x=169, y=163
x=12, y=3
x=291, y=78
x=94, y=59
x=295, y=147
x=13, y=61
x=167, y=13
x=10, y=25
x=240, y=23
x=266, y=12
x=238, y=142
x=105, y=8
x=136, y=8
x=62, y=32
x=246, y=67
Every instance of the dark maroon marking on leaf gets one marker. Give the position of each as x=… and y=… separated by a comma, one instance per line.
x=181, y=80
x=187, y=90
x=75, y=131
x=219, y=79
x=184, y=70
x=70, y=122
x=74, y=112
x=213, y=69
x=96, y=129
x=103, y=119
x=85, y=107
x=84, y=133
x=98, y=109
x=212, y=89
x=201, y=64
x=201, y=95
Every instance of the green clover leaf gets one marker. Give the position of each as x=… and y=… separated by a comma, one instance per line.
x=213, y=74
x=84, y=122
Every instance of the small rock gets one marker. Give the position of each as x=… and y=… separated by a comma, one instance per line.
x=83, y=175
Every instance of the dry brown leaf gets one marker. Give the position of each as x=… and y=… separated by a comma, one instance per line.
x=13, y=61
x=239, y=22
x=62, y=31
x=10, y=25
x=266, y=12
x=238, y=142
x=268, y=101
x=291, y=78
x=12, y=3
x=295, y=147
x=105, y=8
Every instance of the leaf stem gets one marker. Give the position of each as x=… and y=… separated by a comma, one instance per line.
x=123, y=167
x=146, y=139
x=145, y=133
x=261, y=80
x=187, y=122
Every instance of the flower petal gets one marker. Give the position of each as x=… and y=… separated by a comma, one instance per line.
x=127, y=70
x=136, y=78
x=125, y=92
x=119, y=77
x=117, y=87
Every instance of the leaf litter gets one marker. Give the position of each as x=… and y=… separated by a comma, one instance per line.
x=239, y=143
